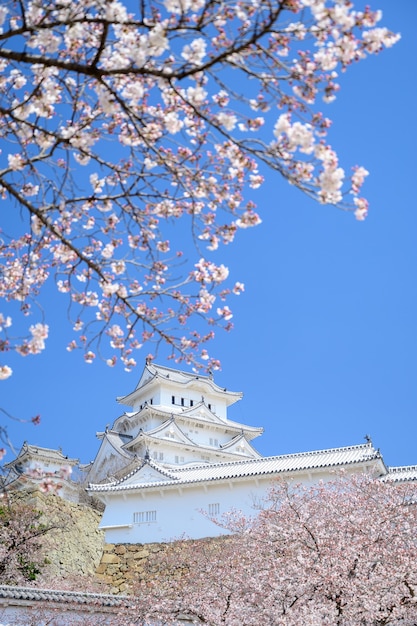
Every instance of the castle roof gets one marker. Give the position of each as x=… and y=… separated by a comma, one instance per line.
x=268, y=466
x=29, y=594
x=402, y=473
x=154, y=436
x=116, y=440
x=23, y=604
x=29, y=452
x=154, y=373
x=199, y=413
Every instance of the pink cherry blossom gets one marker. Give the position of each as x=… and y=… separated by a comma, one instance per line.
x=341, y=552
x=5, y=372
x=118, y=126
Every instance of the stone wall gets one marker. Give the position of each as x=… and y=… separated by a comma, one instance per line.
x=121, y=564
x=75, y=545
x=75, y=551
x=124, y=565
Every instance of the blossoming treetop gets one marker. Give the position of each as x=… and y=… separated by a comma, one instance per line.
x=117, y=126
x=335, y=554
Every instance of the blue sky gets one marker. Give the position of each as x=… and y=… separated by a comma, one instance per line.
x=324, y=346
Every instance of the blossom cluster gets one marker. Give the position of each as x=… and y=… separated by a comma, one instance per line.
x=126, y=150
x=47, y=481
x=336, y=552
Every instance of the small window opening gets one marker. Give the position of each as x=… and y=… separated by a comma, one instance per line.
x=144, y=517
x=214, y=509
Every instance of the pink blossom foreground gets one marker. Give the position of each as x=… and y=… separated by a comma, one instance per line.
x=337, y=554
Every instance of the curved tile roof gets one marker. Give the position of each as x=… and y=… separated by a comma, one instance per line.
x=305, y=461
x=117, y=441
x=37, y=452
x=402, y=473
x=63, y=597
x=191, y=415
x=178, y=377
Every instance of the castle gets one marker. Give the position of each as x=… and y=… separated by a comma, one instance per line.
x=174, y=463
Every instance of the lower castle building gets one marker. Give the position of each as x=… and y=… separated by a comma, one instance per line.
x=173, y=464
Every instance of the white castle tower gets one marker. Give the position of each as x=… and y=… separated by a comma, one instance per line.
x=176, y=418
x=174, y=463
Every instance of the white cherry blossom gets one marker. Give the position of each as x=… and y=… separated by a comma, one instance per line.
x=128, y=138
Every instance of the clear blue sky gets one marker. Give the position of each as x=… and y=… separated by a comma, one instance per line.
x=325, y=339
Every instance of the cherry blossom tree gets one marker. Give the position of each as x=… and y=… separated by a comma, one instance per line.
x=22, y=528
x=130, y=132
x=338, y=553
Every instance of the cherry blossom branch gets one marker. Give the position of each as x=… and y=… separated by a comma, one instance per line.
x=118, y=127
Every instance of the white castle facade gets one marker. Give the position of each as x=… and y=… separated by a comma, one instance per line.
x=174, y=463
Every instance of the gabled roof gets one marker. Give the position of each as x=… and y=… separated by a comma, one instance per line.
x=29, y=452
x=198, y=413
x=148, y=473
x=155, y=436
x=153, y=373
x=268, y=466
x=169, y=426
x=201, y=412
x=110, y=441
x=115, y=440
x=114, y=437
x=239, y=440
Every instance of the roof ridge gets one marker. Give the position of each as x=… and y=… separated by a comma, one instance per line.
x=177, y=371
x=33, y=593
x=143, y=462
x=291, y=455
x=154, y=408
x=398, y=468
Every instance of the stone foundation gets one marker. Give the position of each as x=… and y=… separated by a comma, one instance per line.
x=122, y=564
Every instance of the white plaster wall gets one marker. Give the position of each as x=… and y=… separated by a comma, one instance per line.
x=162, y=397
x=178, y=514
x=179, y=511
x=169, y=453
x=217, y=405
x=43, y=466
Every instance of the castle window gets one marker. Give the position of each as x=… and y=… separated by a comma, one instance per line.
x=179, y=459
x=214, y=442
x=209, y=406
x=191, y=402
x=151, y=401
x=144, y=517
x=182, y=401
x=172, y=399
x=214, y=509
